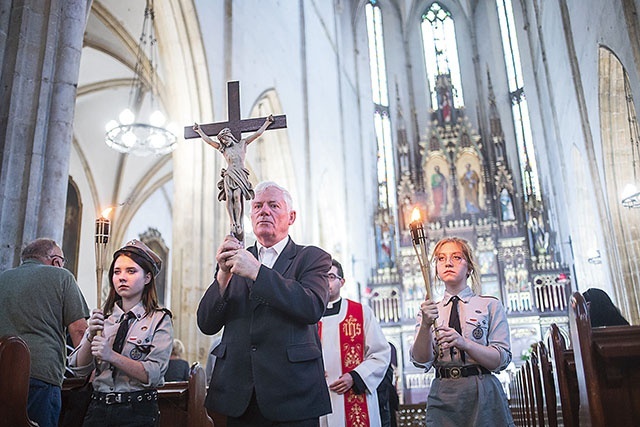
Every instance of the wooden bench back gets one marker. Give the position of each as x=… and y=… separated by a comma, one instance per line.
x=15, y=366
x=549, y=401
x=607, y=366
x=564, y=373
x=182, y=402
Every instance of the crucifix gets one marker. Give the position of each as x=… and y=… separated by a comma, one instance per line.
x=234, y=186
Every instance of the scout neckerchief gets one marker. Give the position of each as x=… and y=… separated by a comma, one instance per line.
x=351, y=331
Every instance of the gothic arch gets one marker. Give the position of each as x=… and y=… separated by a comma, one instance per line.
x=618, y=128
x=269, y=158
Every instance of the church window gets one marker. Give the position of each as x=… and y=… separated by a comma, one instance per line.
x=519, y=106
x=441, y=51
x=382, y=124
x=377, y=63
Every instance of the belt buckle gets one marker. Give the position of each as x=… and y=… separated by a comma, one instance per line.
x=455, y=372
x=112, y=398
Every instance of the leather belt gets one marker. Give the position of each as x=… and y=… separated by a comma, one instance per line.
x=116, y=398
x=460, y=371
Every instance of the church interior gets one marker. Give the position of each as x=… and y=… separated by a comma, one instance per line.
x=511, y=124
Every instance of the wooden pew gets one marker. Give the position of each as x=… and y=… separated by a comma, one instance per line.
x=15, y=366
x=515, y=403
x=564, y=374
x=182, y=402
x=608, y=369
x=520, y=417
x=519, y=402
x=522, y=408
x=536, y=384
x=529, y=397
x=549, y=402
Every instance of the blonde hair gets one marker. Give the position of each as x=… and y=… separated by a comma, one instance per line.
x=472, y=266
x=178, y=348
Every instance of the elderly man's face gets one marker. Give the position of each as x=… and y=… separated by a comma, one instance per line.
x=270, y=216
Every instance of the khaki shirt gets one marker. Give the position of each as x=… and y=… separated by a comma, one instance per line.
x=482, y=319
x=149, y=340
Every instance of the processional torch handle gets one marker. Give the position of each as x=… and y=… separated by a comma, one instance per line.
x=421, y=246
x=103, y=226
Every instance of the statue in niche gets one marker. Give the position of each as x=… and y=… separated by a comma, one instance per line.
x=438, y=192
x=506, y=206
x=470, y=182
x=539, y=236
x=445, y=106
x=384, y=233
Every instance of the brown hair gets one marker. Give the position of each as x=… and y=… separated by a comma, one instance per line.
x=465, y=248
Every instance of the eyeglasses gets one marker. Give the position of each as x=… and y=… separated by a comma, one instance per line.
x=454, y=259
x=334, y=277
x=63, y=259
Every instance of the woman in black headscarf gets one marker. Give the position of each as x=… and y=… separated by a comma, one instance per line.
x=601, y=309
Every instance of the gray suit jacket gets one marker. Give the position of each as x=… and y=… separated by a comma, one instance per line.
x=270, y=342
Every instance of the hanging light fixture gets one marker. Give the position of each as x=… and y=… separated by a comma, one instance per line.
x=630, y=193
x=127, y=134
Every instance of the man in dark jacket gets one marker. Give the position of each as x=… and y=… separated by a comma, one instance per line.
x=269, y=299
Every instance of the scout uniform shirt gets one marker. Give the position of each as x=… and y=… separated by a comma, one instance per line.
x=482, y=319
x=149, y=340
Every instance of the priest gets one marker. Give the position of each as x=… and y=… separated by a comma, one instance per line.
x=356, y=356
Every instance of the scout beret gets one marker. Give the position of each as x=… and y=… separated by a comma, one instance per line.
x=137, y=247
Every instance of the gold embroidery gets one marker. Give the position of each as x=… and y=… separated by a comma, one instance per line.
x=351, y=328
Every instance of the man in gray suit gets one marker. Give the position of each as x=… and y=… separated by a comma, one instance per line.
x=269, y=298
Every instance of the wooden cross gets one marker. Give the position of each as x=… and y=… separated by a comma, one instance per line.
x=235, y=123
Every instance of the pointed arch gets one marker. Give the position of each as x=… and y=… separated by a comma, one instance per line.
x=619, y=133
x=269, y=157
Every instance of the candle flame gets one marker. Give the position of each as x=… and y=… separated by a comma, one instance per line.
x=415, y=215
x=105, y=213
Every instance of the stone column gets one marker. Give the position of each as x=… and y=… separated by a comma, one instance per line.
x=41, y=43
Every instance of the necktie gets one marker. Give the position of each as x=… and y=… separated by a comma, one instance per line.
x=454, y=322
x=118, y=343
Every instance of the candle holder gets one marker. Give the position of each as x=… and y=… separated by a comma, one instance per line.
x=103, y=229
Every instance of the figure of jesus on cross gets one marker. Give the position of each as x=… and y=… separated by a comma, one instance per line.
x=234, y=186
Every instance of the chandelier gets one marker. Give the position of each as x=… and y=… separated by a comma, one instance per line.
x=128, y=134
x=630, y=193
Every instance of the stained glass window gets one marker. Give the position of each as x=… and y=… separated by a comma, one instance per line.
x=441, y=51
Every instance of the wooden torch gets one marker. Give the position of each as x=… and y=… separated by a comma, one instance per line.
x=421, y=246
x=103, y=228
x=420, y=242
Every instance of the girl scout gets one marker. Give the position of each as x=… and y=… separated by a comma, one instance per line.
x=471, y=342
x=128, y=343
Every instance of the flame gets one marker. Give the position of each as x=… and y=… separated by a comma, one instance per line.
x=105, y=213
x=415, y=215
